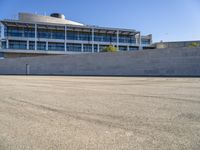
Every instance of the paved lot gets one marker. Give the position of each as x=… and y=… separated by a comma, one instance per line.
x=105, y=113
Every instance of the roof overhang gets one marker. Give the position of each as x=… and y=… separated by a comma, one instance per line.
x=53, y=26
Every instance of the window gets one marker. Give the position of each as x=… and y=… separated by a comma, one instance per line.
x=56, y=46
x=95, y=48
x=20, y=32
x=3, y=44
x=145, y=41
x=87, y=48
x=84, y=36
x=123, y=48
x=31, y=45
x=17, y=44
x=73, y=47
x=41, y=45
x=132, y=48
x=105, y=37
x=72, y=35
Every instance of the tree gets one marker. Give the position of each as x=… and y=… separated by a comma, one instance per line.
x=194, y=44
x=110, y=48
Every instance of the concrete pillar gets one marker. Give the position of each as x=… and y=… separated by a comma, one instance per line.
x=35, y=36
x=65, y=38
x=7, y=44
x=98, y=50
x=82, y=48
x=27, y=44
x=47, y=45
x=118, y=40
x=93, y=40
x=140, y=42
x=128, y=48
x=151, y=39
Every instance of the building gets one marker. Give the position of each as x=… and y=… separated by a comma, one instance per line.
x=33, y=34
x=176, y=44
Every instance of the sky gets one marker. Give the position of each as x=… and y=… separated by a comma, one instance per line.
x=167, y=20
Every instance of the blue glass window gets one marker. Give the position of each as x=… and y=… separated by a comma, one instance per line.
x=41, y=45
x=145, y=41
x=3, y=44
x=132, y=48
x=20, y=32
x=17, y=44
x=31, y=45
x=123, y=48
x=72, y=47
x=87, y=48
x=56, y=46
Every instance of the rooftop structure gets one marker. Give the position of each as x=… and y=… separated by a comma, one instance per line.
x=37, y=34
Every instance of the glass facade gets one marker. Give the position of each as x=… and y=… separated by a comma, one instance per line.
x=19, y=32
x=132, y=48
x=31, y=45
x=95, y=48
x=50, y=34
x=71, y=35
x=3, y=44
x=123, y=48
x=82, y=38
x=87, y=48
x=145, y=41
x=99, y=37
x=56, y=46
x=126, y=39
x=73, y=47
x=17, y=44
x=41, y=45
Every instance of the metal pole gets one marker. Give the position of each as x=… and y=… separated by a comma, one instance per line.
x=27, y=69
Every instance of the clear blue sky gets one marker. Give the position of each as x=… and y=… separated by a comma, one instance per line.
x=167, y=20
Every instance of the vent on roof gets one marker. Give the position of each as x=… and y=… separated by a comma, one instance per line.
x=57, y=15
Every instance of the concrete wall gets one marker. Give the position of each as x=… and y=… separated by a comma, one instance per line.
x=158, y=62
x=16, y=55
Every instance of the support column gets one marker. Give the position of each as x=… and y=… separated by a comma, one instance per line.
x=35, y=37
x=140, y=42
x=128, y=48
x=98, y=50
x=93, y=40
x=7, y=44
x=82, y=47
x=118, y=40
x=65, y=38
x=27, y=44
x=151, y=39
x=47, y=45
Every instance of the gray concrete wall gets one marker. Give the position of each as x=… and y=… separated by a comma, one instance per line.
x=158, y=62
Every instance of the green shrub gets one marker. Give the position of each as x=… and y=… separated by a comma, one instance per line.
x=110, y=48
x=194, y=44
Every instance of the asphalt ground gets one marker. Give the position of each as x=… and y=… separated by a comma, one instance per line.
x=99, y=113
